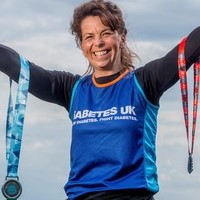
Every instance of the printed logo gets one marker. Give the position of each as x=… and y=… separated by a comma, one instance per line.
x=114, y=113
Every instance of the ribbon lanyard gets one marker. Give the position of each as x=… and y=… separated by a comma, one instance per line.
x=184, y=93
x=14, y=127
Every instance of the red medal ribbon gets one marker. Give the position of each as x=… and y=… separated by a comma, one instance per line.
x=184, y=93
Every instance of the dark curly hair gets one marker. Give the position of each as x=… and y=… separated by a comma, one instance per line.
x=110, y=15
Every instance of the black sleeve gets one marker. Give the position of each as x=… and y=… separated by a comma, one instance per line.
x=52, y=86
x=159, y=75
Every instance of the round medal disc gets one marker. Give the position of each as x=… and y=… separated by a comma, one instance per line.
x=12, y=189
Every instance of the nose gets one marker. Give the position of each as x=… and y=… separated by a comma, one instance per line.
x=99, y=42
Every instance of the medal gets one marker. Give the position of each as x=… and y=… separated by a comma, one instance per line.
x=11, y=189
x=184, y=94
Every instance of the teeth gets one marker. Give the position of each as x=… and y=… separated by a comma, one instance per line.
x=100, y=53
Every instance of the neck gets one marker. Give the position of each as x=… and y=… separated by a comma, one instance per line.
x=103, y=73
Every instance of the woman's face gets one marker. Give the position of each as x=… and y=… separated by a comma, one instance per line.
x=101, y=46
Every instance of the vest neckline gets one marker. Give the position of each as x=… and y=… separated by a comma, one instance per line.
x=108, y=80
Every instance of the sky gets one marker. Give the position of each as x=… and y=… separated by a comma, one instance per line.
x=39, y=30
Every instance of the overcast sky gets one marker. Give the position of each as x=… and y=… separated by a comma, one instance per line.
x=39, y=30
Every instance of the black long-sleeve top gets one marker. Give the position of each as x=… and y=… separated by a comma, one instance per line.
x=56, y=86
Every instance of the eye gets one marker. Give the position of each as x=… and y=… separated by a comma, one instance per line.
x=87, y=37
x=107, y=33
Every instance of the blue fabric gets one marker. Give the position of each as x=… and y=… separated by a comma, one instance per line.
x=113, y=138
x=15, y=120
x=150, y=126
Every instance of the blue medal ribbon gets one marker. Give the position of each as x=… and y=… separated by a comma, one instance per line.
x=15, y=120
x=12, y=188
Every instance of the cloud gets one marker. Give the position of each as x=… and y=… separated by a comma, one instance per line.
x=158, y=20
x=40, y=31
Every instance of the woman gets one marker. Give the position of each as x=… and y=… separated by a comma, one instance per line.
x=113, y=107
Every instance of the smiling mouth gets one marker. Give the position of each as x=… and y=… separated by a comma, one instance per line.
x=101, y=53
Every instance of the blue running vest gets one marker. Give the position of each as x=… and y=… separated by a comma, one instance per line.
x=113, y=138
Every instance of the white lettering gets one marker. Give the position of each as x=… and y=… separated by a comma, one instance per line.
x=85, y=113
x=106, y=119
x=94, y=114
x=128, y=110
x=113, y=111
x=77, y=115
x=125, y=117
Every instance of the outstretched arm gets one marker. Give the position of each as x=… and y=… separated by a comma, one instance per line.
x=159, y=75
x=51, y=86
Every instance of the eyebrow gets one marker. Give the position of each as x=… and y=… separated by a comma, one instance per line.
x=106, y=29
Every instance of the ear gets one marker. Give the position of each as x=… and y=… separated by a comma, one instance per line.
x=123, y=40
